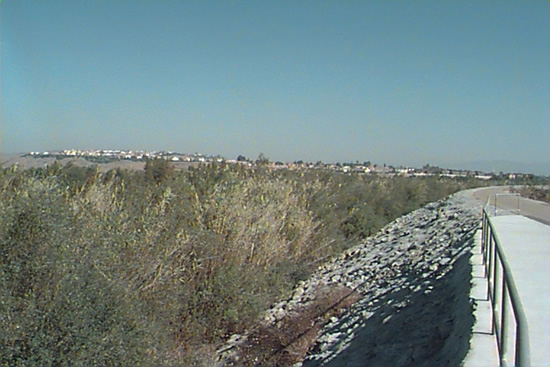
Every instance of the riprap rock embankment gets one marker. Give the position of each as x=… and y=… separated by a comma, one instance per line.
x=400, y=298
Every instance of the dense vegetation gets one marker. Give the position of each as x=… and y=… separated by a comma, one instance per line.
x=155, y=267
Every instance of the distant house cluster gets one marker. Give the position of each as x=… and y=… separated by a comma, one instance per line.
x=415, y=172
x=389, y=171
x=136, y=155
x=107, y=155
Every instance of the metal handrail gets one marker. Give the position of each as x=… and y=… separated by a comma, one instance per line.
x=498, y=271
x=517, y=210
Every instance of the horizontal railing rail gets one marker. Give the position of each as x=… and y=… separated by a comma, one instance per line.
x=502, y=293
x=511, y=200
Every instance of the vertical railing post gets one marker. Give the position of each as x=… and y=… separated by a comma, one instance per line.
x=518, y=356
x=495, y=296
x=484, y=240
x=503, y=318
x=491, y=267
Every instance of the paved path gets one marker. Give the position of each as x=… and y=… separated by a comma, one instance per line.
x=536, y=210
x=526, y=245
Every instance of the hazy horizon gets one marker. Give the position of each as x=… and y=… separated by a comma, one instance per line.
x=393, y=82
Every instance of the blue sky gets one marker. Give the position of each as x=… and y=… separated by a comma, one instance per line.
x=397, y=82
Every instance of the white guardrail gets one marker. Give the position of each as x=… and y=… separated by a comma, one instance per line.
x=510, y=332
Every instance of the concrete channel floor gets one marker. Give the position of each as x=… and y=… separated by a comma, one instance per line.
x=526, y=245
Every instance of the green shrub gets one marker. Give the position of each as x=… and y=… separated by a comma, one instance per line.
x=147, y=268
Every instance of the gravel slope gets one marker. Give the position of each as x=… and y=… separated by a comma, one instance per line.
x=402, y=299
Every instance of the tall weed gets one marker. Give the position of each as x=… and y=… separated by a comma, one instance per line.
x=146, y=268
